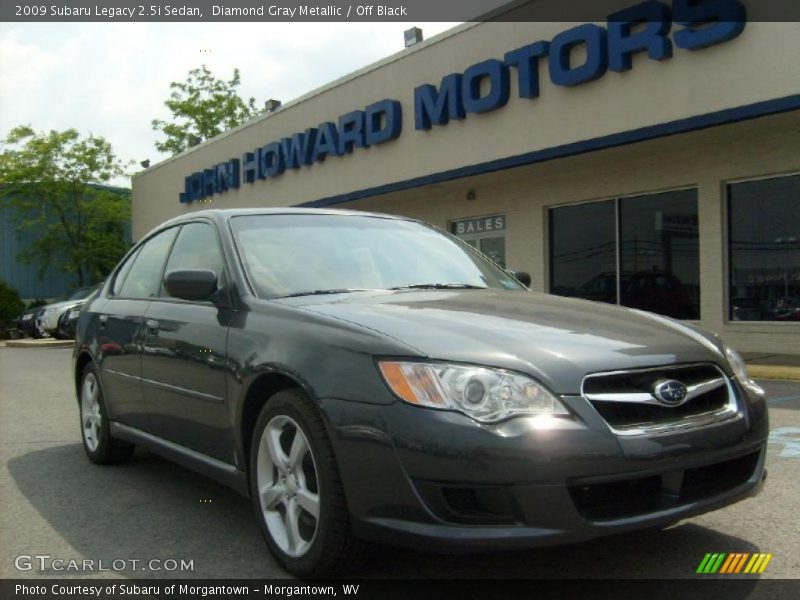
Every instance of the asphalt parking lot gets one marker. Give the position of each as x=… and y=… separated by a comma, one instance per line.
x=54, y=502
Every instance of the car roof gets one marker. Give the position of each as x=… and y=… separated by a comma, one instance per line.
x=223, y=214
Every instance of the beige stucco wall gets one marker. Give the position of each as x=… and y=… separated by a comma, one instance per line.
x=748, y=69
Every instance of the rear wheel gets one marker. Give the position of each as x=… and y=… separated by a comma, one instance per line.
x=297, y=491
x=100, y=447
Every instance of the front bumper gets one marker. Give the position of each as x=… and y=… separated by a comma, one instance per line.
x=416, y=476
x=49, y=321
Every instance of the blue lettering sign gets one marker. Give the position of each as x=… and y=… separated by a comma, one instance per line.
x=593, y=37
x=623, y=43
x=437, y=107
x=327, y=142
x=351, y=131
x=384, y=121
x=485, y=86
x=270, y=160
x=297, y=149
x=249, y=167
x=227, y=175
x=526, y=61
x=496, y=73
x=707, y=23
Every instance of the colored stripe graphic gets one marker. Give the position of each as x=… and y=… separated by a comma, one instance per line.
x=711, y=563
x=734, y=563
x=728, y=564
x=741, y=562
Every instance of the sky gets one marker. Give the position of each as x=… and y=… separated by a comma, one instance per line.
x=111, y=79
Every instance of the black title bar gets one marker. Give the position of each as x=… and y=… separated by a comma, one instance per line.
x=731, y=588
x=349, y=11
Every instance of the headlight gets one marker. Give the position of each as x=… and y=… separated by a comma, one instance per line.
x=737, y=364
x=739, y=368
x=486, y=395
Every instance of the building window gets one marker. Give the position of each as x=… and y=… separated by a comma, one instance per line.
x=583, y=252
x=764, y=246
x=487, y=234
x=641, y=252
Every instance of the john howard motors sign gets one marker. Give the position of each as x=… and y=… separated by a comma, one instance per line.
x=654, y=28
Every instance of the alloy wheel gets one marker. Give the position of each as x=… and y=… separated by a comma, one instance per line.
x=91, y=418
x=288, y=485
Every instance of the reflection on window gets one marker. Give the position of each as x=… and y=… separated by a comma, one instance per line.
x=195, y=248
x=583, y=252
x=659, y=253
x=144, y=277
x=764, y=243
x=657, y=250
x=295, y=254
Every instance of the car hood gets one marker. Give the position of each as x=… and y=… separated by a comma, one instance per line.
x=65, y=305
x=558, y=340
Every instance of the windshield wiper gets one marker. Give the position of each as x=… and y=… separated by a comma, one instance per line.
x=321, y=292
x=439, y=286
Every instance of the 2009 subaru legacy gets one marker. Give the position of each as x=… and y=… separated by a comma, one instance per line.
x=366, y=377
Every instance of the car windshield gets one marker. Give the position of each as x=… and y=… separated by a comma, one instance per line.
x=295, y=255
x=80, y=293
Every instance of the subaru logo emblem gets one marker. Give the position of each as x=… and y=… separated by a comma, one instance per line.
x=670, y=392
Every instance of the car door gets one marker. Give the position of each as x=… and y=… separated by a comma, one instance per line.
x=119, y=321
x=184, y=362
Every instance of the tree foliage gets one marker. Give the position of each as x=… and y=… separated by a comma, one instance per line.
x=202, y=107
x=56, y=182
x=10, y=306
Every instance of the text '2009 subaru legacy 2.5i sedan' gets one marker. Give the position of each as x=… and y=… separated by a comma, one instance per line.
x=365, y=377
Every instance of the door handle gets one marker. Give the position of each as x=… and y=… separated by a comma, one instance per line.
x=102, y=319
x=151, y=325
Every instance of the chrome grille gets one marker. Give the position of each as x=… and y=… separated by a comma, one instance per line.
x=626, y=401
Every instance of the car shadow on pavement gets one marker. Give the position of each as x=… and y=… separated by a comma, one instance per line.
x=146, y=508
x=149, y=508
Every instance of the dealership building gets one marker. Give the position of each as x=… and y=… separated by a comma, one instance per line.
x=654, y=165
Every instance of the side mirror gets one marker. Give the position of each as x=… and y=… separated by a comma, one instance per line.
x=191, y=284
x=523, y=277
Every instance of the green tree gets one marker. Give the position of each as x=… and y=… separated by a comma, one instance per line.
x=56, y=182
x=202, y=107
x=10, y=306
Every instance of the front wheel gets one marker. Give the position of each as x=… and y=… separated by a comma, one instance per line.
x=100, y=447
x=297, y=491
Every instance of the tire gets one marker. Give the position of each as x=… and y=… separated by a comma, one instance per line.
x=298, y=477
x=100, y=447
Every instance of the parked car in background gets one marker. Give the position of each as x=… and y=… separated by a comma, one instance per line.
x=654, y=291
x=48, y=318
x=364, y=377
x=28, y=322
x=747, y=309
x=787, y=309
x=67, y=322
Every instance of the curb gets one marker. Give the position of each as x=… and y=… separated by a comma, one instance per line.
x=773, y=372
x=39, y=343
